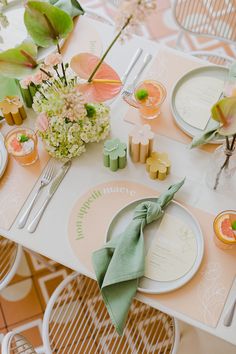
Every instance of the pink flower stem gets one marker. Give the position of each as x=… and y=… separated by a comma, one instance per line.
x=108, y=49
x=62, y=64
x=45, y=72
x=37, y=89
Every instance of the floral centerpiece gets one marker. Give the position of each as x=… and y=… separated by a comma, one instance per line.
x=66, y=120
x=68, y=97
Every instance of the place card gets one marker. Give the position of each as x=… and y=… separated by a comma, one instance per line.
x=194, y=100
x=173, y=251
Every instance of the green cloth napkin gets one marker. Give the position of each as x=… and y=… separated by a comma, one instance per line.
x=120, y=263
x=72, y=7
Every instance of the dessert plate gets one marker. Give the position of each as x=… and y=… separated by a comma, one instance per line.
x=147, y=285
x=3, y=156
x=195, y=93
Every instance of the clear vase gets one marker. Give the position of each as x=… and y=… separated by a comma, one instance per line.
x=221, y=170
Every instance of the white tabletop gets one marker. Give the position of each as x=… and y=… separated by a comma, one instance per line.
x=50, y=238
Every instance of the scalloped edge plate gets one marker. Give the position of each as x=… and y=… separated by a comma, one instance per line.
x=209, y=70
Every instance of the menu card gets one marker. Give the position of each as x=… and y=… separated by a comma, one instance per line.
x=173, y=251
x=194, y=100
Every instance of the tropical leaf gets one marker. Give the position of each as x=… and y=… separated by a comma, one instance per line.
x=72, y=7
x=205, y=138
x=45, y=23
x=19, y=61
x=224, y=111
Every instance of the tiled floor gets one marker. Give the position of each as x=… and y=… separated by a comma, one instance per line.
x=23, y=302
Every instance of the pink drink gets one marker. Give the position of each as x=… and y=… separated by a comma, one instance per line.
x=22, y=145
x=149, y=103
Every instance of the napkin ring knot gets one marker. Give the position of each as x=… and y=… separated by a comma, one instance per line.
x=148, y=211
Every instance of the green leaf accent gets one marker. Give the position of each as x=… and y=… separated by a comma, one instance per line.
x=19, y=61
x=205, y=138
x=23, y=138
x=46, y=23
x=234, y=225
x=91, y=111
x=224, y=111
x=141, y=94
x=232, y=72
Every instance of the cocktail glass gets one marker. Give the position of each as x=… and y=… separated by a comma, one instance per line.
x=148, y=98
x=225, y=229
x=22, y=145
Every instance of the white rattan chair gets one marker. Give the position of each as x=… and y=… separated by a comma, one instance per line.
x=76, y=321
x=14, y=343
x=217, y=59
x=213, y=18
x=10, y=256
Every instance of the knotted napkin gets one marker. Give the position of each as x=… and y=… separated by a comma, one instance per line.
x=120, y=263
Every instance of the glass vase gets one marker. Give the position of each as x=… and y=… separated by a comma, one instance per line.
x=221, y=170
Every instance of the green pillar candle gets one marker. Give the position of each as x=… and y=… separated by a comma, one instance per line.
x=114, y=154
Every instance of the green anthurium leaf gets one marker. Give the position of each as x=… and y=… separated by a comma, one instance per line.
x=224, y=111
x=46, y=23
x=205, y=138
x=72, y=7
x=19, y=61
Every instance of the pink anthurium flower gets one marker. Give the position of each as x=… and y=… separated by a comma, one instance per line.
x=105, y=84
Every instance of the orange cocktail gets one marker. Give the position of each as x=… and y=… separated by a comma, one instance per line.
x=149, y=96
x=225, y=229
x=22, y=145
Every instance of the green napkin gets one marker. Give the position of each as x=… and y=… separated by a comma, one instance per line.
x=72, y=7
x=120, y=263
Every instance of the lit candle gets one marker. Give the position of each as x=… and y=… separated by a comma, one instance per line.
x=114, y=154
x=141, y=143
x=13, y=110
x=158, y=165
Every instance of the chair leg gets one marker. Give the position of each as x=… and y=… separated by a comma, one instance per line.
x=41, y=259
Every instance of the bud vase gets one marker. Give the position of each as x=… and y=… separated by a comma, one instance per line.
x=221, y=172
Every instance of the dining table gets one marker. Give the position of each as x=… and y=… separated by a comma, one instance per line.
x=51, y=237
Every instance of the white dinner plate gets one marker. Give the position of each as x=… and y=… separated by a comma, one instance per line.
x=3, y=156
x=123, y=218
x=214, y=71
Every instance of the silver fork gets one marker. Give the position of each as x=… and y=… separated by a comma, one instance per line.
x=46, y=179
x=130, y=88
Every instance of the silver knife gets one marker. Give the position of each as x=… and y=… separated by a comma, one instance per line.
x=55, y=184
x=131, y=65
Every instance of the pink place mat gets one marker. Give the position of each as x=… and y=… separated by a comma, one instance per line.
x=17, y=183
x=203, y=298
x=167, y=68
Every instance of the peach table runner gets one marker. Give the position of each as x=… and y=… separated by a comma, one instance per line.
x=168, y=67
x=203, y=298
x=16, y=184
